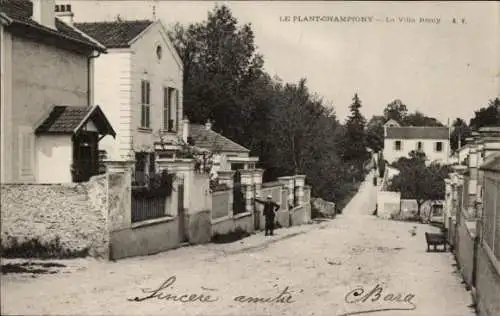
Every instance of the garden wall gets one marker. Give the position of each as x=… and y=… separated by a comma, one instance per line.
x=76, y=214
x=465, y=248
x=488, y=282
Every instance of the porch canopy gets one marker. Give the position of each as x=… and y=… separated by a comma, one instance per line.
x=63, y=119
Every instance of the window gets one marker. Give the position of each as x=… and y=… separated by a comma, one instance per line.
x=397, y=145
x=159, y=52
x=177, y=108
x=439, y=146
x=420, y=146
x=172, y=108
x=145, y=104
x=166, y=108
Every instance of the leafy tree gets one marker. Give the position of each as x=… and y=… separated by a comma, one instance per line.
x=418, y=181
x=375, y=133
x=354, y=147
x=486, y=116
x=460, y=131
x=221, y=62
x=419, y=119
x=396, y=110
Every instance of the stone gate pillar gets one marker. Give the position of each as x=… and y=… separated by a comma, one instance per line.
x=300, y=182
x=247, y=183
x=289, y=183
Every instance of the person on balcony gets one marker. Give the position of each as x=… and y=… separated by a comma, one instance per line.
x=270, y=209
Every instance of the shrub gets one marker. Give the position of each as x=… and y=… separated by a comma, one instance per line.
x=160, y=185
x=34, y=248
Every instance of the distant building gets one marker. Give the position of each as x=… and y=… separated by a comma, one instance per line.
x=227, y=154
x=399, y=141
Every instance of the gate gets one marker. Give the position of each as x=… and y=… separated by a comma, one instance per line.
x=238, y=197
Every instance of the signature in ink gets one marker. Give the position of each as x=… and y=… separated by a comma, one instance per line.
x=359, y=295
x=162, y=294
x=284, y=297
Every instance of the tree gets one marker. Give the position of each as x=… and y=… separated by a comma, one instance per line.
x=419, y=119
x=486, y=116
x=354, y=146
x=396, y=110
x=220, y=64
x=460, y=131
x=375, y=133
x=418, y=181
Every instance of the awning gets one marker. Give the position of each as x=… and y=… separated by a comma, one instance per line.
x=63, y=119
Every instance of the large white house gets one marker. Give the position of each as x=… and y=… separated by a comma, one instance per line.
x=399, y=141
x=139, y=85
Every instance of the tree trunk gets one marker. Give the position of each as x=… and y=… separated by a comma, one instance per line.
x=419, y=206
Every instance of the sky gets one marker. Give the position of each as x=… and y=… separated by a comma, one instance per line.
x=443, y=69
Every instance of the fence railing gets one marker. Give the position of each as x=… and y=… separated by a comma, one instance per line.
x=147, y=208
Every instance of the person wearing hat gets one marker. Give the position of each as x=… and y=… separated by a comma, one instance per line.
x=270, y=209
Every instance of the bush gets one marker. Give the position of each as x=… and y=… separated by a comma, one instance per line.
x=35, y=249
x=160, y=185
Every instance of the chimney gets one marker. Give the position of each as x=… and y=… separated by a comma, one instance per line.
x=64, y=13
x=43, y=13
x=208, y=125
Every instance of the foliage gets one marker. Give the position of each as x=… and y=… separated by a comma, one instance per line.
x=486, y=116
x=375, y=133
x=354, y=142
x=396, y=110
x=381, y=165
x=418, y=181
x=460, y=131
x=34, y=248
x=289, y=128
x=159, y=185
x=419, y=119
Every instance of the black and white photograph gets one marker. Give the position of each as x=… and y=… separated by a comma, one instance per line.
x=254, y=158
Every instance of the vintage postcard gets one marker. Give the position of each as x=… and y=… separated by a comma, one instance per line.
x=250, y=158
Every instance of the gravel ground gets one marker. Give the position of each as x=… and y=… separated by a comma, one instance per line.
x=306, y=270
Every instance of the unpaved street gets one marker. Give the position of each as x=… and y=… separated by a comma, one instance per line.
x=313, y=267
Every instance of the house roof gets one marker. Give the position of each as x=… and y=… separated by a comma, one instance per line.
x=63, y=119
x=392, y=122
x=417, y=132
x=115, y=34
x=492, y=163
x=18, y=13
x=207, y=138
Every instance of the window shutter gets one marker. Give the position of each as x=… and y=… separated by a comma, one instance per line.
x=176, y=109
x=26, y=147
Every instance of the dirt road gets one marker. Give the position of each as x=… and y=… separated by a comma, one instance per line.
x=352, y=264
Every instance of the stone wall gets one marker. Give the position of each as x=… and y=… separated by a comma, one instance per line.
x=465, y=249
x=220, y=204
x=388, y=203
x=76, y=214
x=244, y=221
x=487, y=283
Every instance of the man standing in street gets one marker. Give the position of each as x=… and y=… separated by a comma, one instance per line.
x=270, y=209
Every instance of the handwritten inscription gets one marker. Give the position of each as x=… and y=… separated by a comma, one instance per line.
x=165, y=292
x=161, y=294
x=377, y=294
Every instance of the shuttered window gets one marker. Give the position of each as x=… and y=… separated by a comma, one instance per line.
x=26, y=142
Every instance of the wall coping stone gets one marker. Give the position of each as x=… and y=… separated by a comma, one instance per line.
x=153, y=221
x=221, y=219
x=240, y=215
